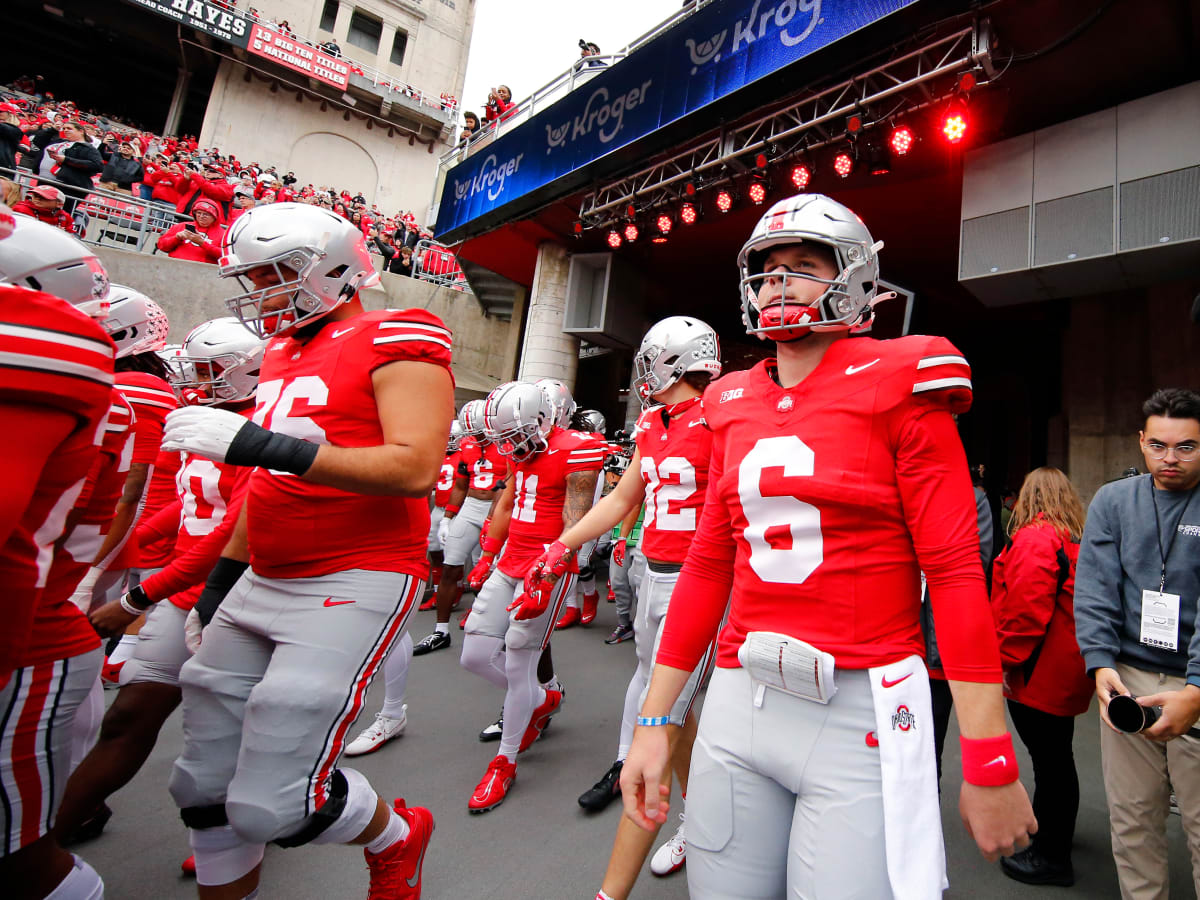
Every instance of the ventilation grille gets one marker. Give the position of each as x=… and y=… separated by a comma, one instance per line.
x=995, y=243
x=1161, y=209
x=1074, y=227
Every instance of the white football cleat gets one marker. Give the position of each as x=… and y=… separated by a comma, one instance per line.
x=671, y=856
x=378, y=733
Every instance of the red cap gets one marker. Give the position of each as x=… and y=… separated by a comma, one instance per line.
x=48, y=192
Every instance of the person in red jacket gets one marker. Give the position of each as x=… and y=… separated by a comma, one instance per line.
x=1033, y=587
x=45, y=203
x=211, y=184
x=200, y=240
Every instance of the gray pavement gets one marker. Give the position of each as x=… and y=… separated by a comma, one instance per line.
x=539, y=844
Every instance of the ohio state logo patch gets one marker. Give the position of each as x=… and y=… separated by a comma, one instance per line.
x=903, y=719
x=785, y=404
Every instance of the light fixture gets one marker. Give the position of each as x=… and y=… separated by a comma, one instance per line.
x=901, y=140
x=630, y=211
x=577, y=228
x=843, y=163
x=760, y=160
x=954, y=123
x=756, y=191
x=614, y=239
x=801, y=176
x=689, y=213
x=854, y=123
x=630, y=233
x=664, y=223
x=724, y=200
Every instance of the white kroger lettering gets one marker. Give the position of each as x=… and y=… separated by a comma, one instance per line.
x=598, y=116
x=490, y=178
x=756, y=27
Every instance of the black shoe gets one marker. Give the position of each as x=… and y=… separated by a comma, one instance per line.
x=90, y=827
x=439, y=640
x=604, y=791
x=493, y=731
x=1030, y=867
x=619, y=634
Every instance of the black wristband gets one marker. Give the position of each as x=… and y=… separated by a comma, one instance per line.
x=220, y=580
x=137, y=597
x=254, y=445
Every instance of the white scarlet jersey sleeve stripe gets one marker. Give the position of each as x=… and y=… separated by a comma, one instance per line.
x=57, y=366
x=939, y=384
x=8, y=329
x=930, y=361
x=418, y=326
x=428, y=338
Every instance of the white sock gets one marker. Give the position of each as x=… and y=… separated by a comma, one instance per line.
x=442, y=627
x=81, y=883
x=394, y=832
x=600, y=895
x=124, y=649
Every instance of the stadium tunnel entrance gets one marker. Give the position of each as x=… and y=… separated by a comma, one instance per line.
x=110, y=57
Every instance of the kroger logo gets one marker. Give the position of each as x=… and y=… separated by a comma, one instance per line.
x=600, y=114
x=777, y=20
x=490, y=177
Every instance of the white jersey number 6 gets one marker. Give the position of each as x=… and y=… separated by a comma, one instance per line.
x=794, y=549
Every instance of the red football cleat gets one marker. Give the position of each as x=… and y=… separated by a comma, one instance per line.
x=110, y=673
x=540, y=718
x=188, y=866
x=569, y=618
x=429, y=603
x=590, y=603
x=396, y=872
x=462, y=622
x=493, y=788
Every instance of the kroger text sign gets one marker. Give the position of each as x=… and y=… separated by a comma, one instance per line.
x=722, y=48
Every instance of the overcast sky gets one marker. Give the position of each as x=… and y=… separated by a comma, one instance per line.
x=527, y=43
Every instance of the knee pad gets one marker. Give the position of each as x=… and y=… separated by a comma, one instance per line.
x=312, y=827
x=222, y=855
x=203, y=817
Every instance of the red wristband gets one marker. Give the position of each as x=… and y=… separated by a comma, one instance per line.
x=451, y=511
x=491, y=545
x=989, y=762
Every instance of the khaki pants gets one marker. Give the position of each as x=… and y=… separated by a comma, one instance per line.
x=1138, y=778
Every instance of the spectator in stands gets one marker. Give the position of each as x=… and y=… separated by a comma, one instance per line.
x=331, y=47
x=285, y=27
x=122, y=170
x=10, y=192
x=41, y=136
x=161, y=175
x=211, y=185
x=11, y=136
x=289, y=179
x=200, y=240
x=45, y=203
x=78, y=162
x=470, y=127
x=587, y=50
x=242, y=201
x=499, y=105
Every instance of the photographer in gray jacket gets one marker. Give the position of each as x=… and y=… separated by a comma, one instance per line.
x=1136, y=593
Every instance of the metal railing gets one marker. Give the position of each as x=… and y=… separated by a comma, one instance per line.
x=438, y=264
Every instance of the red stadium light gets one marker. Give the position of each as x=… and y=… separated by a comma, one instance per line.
x=631, y=232
x=854, y=123
x=724, y=200
x=689, y=188
x=631, y=210
x=757, y=191
x=966, y=81
x=901, y=140
x=614, y=239
x=801, y=176
x=688, y=214
x=955, y=123
x=760, y=161
x=664, y=223
x=578, y=228
x=843, y=163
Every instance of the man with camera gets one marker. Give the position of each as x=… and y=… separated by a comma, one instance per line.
x=1136, y=597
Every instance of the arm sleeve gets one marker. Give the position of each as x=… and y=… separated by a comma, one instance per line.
x=1099, y=611
x=1031, y=579
x=163, y=524
x=939, y=507
x=705, y=581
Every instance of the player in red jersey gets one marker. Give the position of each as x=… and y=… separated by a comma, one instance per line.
x=350, y=423
x=553, y=479
x=56, y=376
x=441, y=496
x=219, y=366
x=837, y=476
x=669, y=474
x=581, y=610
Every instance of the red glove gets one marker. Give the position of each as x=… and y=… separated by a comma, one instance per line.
x=618, y=555
x=533, y=602
x=554, y=561
x=480, y=573
x=483, y=531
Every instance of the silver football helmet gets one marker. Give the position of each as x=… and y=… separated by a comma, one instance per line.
x=319, y=259
x=470, y=417
x=560, y=399
x=848, y=297
x=39, y=256
x=518, y=419
x=672, y=348
x=222, y=359
x=457, y=432
x=591, y=421
x=135, y=323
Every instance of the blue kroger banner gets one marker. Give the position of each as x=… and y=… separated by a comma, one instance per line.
x=720, y=49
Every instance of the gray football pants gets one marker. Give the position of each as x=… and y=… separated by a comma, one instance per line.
x=279, y=679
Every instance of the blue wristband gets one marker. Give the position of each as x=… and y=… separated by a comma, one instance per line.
x=653, y=720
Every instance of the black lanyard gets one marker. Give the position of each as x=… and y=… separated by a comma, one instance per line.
x=1174, y=532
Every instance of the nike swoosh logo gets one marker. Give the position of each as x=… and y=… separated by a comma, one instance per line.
x=887, y=684
x=998, y=761
x=851, y=370
x=415, y=877
x=694, y=424
x=551, y=452
x=329, y=601
x=341, y=332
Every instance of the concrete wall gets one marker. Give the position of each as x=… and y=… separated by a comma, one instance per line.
x=485, y=349
x=548, y=352
x=1118, y=349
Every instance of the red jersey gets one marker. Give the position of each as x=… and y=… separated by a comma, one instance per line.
x=445, y=482
x=160, y=493
x=486, y=465
x=540, y=486
x=674, y=453
x=54, y=360
x=827, y=500
x=319, y=389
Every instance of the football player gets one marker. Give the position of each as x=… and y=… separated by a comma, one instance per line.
x=218, y=367
x=553, y=481
x=55, y=393
x=351, y=417
x=441, y=496
x=669, y=474
x=577, y=610
x=837, y=476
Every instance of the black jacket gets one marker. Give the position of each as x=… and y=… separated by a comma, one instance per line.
x=80, y=162
x=122, y=171
x=10, y=140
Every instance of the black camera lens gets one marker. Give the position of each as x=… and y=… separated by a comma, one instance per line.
x=1127, y=716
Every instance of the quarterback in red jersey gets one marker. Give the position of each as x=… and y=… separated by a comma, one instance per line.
x=837, y=477
x=553, y=480
x=56, y=377
x=350, y=423
x=669, y=474
x=218, y=366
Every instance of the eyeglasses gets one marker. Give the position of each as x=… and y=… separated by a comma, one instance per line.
x=1185, y=452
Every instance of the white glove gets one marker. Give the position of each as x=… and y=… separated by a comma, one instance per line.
x=444, y=530
x=203, y=430
x=82, y=596
x=192, y=629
